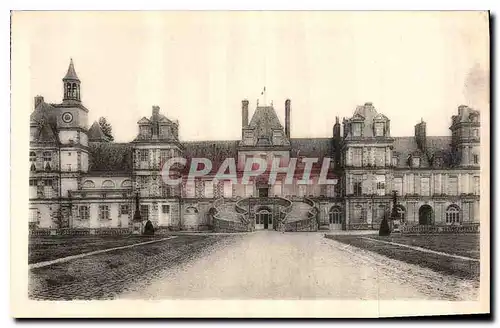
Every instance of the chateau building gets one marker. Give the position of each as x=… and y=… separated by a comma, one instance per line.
x=81, y=181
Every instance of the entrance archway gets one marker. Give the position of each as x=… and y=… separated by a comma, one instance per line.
x=264, y=220
x=425, y=215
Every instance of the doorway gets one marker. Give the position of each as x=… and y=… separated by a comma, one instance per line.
x=425, y=215
x=335, y=217
x=263, y=220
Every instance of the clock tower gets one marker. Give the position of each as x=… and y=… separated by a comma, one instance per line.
x=72, y=123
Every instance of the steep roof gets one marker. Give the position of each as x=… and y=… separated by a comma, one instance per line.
x=96, y=134
x=435, y=147
x=264, y=120
x=71, y=74
x=110, y=156
x=216, y=151
x=311, y=147
x=47, y=134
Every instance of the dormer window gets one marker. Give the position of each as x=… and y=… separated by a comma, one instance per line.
x=145, y=130
x=379, y=129
x=356, y=129
x=395, y=161
x=415, y=161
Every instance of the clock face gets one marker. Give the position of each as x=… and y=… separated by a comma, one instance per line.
x=67, y=117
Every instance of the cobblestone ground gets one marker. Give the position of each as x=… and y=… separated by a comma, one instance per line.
x=271, y=265
x=103, y=276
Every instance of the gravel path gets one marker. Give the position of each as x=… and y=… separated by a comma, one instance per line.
x=271, y=265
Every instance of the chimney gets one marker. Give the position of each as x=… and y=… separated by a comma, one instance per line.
x=38, y=101
x=420, y=135
x=336, y=128
x=156, y=110
x=287, y=118
x=244, y=113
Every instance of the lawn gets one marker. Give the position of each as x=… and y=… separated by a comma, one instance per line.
x=463, y=245
x=104, y=275
x=46, y=248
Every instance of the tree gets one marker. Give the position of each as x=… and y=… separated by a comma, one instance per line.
x=384, y=227
x=149, y=229
x=106, y=128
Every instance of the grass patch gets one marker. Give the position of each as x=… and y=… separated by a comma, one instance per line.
x=48, y=248
x=452, y=244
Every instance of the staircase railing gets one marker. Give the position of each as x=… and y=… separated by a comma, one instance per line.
x=311, y=223
x=221, y=224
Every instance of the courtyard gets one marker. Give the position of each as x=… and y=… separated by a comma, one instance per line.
x=260, y=265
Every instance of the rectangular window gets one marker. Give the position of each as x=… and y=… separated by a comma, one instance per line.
x=163, y=131
x=302, y=190
x=395, y=161
x=228, y=189
x=425, y=187
x=379, y=156
x=124, y=209
x=164, y=156
x=476, y=186
x=358, y=214
x=357, y=185
x=47, y=156
x=411, y=184
x=379, y=129
x=476, y=159
x=415, y=161
x=32, y=156
x=33, y=216
x=398, y=186
x=143, y=155
x=357, y=156
x=208, y=189
x=165, y=209
x=103, y=212
x=356, y=129
x=190, y=189
x=330, y=191
x=452, y=186
x=83, y=212
x=380, y=185
x=437, y=184
x=33, y=182
x=249, y=190
x=144, y=209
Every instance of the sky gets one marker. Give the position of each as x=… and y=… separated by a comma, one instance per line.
x=199, y=66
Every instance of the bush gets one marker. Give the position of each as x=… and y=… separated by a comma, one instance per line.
x=384, y=228
x=149, y=229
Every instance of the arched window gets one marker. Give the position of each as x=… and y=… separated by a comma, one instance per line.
x=108, y=184
x=68, y=90
x=126, y=184
x=191, y=210
x=88, y=184
x=335, y=215
x=452, y=215
x=73, y=91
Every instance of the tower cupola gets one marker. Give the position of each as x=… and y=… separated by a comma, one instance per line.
x=71, y=84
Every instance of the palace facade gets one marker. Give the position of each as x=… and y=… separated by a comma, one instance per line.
x=79, y=180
